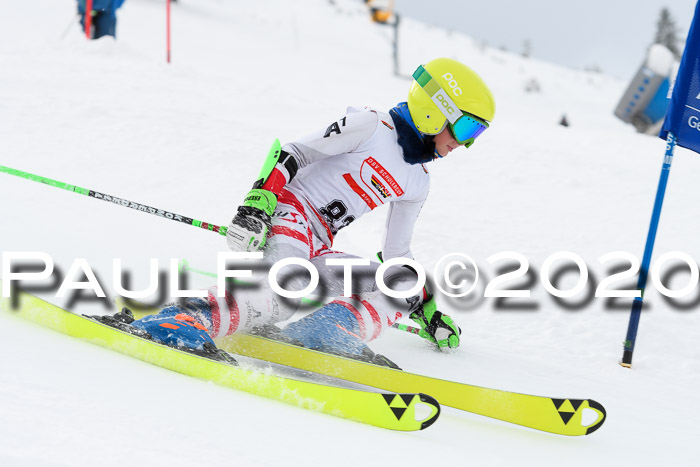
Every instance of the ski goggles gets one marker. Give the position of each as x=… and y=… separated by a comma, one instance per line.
x=465, y=127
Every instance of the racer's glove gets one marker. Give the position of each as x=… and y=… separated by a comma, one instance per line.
x=249, y=227
x=435, y=326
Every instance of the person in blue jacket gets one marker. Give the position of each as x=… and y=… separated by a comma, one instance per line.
x=104, y=17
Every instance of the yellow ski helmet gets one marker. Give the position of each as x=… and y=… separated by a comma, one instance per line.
x=444, y=90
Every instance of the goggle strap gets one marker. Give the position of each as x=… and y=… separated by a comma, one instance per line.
x=438, y=95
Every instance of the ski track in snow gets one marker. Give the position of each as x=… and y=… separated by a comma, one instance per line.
x=190, y=136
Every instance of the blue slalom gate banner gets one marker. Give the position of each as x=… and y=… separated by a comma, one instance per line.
x=681, y=127
x=683, y=115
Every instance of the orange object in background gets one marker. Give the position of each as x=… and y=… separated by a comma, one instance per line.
x=381, y=10
x=381, y=16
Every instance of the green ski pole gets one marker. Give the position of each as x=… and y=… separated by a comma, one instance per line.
x=115, y=200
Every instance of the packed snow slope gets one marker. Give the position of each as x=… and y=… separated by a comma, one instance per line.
x=190, y=137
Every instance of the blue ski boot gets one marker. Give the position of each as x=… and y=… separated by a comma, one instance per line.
x=175, y=328
x=332, y=329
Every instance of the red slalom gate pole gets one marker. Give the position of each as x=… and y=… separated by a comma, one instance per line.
x=88, y=18
x=167, y=28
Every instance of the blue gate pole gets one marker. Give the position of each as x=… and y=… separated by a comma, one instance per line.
x=648, y=248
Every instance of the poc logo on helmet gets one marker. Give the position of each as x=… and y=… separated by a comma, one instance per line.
x=456, y=90
x=444, y=100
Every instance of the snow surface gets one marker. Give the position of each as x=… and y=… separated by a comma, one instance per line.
x=190, y=136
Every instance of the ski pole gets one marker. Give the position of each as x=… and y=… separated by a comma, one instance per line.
x=115, y=200
x=406, y=328
x=88, y=18
x=167, y=30
x=70, y=25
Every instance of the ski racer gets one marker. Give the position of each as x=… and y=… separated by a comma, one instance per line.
x=318, y=185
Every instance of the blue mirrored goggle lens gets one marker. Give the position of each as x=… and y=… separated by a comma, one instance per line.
x=467, y=128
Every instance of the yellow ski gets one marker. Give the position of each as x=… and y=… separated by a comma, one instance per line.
x=562, y=416
x=386, y=410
